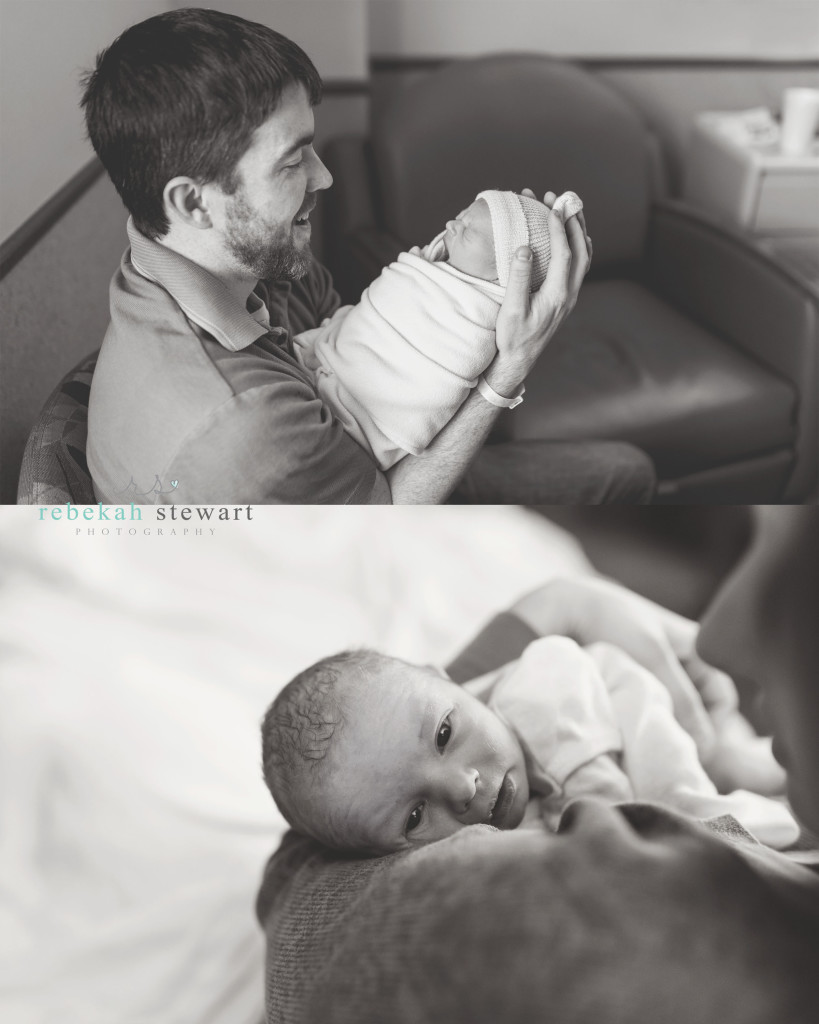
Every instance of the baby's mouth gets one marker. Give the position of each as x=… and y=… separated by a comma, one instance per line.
x=502, y=804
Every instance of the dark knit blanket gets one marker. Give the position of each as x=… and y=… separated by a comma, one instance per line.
x=477, y=929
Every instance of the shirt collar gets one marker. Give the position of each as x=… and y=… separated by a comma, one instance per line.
x=201, y=296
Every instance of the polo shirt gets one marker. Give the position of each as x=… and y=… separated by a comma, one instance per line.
x=194, y=400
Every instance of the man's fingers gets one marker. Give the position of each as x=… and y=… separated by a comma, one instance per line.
x=582, y=219
x=556, y=285
x=516, y=300
x=582, y=250
x=548, y=199
x=717, y=690
x=581, y=260
x=689, y=709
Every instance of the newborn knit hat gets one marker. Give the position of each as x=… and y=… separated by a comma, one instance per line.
x=519, y=220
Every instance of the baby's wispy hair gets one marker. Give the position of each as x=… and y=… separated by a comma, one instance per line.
x=299, y=726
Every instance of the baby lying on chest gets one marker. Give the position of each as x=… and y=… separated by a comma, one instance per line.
x=396, y=367
x=370, y=754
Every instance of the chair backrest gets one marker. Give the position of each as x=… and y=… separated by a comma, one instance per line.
x=54, y=469
x=508, y=122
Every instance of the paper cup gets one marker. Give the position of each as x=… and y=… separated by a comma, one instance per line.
x=800, y=114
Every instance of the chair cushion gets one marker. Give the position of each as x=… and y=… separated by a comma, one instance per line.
x=54, y=469
x=506, y=122
x=626, y=365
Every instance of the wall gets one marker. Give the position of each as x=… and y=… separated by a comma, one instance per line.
x=670, y=58
x=44, y=45
x=332, y=32
x=54, y=311
x=766, y=29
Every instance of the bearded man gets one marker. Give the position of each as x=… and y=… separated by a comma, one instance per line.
x=204, y=122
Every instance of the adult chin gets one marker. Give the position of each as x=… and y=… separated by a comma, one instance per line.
x=289, y=263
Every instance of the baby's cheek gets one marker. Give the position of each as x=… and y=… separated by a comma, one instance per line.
x=489, y=255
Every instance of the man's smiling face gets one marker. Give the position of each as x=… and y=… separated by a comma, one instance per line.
x=264, y=222
x=416, y=759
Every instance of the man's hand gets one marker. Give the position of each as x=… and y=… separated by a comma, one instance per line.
x=592, y=609
x=526, y=323
x=524, y=326
x=705, y=700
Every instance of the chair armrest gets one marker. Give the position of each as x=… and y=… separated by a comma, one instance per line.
x=727, y=282
x=733, y=287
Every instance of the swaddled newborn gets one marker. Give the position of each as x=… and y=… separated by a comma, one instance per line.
x=371, y=754
x=397, y=367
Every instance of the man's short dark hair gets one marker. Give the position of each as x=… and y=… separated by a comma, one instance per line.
x=182, y=94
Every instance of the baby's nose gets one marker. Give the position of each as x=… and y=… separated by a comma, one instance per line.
x=463, y=788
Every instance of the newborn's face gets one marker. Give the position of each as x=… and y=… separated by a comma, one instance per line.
x=418, y=759
x=470, y=242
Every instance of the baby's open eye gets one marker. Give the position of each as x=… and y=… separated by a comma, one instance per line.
x=414, y=820
x=444, y=734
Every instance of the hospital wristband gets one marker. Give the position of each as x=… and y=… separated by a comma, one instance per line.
x=487, y=392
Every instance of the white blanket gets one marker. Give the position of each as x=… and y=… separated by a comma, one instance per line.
x=136, y=669
x=397, y=367
x=574, y=706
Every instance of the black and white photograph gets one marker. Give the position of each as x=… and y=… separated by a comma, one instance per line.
x=410, y=252
x=434, y=765
x=545, y=754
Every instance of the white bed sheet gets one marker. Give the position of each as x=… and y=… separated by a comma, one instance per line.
x=135, y=824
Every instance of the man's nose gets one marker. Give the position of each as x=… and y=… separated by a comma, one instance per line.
x=320, y=177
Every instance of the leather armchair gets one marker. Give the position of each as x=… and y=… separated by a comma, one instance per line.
x=687, y=339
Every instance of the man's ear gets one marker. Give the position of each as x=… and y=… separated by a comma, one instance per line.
x=185, y=203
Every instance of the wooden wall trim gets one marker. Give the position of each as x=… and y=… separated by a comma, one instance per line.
x=387, y=65
x=42, y=220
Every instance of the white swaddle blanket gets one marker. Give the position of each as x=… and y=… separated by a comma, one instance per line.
x=397, y=367
x=570, y=705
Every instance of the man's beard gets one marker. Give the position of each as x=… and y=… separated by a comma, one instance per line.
x=269, y=254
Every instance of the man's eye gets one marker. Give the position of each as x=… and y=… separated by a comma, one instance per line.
x=444, y=734
x=414, y=820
